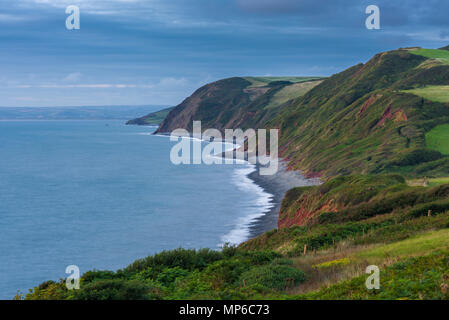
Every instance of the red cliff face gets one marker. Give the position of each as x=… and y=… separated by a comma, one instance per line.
x=368, y=103
x=389, y=114
x=305, y=214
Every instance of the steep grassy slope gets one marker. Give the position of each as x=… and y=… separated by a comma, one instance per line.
x=154, y=118
x=235, y=103
x=359, y=121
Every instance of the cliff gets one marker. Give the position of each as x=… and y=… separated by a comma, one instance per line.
x=153, y=118
x=236, y=102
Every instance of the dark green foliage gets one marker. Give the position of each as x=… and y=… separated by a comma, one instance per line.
x=175, y=274
x=434, y=208
x=168, y=276
x=115, y=290
x=279, y=277
x=417, y=156
x=96, y=275
x=183, y=258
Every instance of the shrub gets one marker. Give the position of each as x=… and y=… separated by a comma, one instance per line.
x=435, y=208
x=416, y=157
x=183, y=258
x=333, y=263
x=169, y=275
x=48, y=290
x=95, y=275
x=115, y=290
x=272, y=276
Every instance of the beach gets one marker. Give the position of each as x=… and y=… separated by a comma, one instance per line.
x=276, y=185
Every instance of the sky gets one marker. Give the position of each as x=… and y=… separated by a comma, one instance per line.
x=141, y=52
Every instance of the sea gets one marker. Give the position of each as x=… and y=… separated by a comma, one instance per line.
x=98, y=194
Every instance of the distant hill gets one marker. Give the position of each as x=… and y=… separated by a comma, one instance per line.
x=153, y=118
x=75, y=113
x=237, y=102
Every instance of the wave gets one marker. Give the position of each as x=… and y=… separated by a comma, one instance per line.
x=255, y=207
x=259, y=203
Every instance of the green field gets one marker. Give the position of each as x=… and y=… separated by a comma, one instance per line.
x=263, y=81
x=428, y=182
x=291, y=92
x=437, y=181
x=418, y=245
x=154, y=118
x=438, y=139
x=432, y=93
x=432, y=53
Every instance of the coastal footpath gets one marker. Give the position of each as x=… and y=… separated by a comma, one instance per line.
x=377, y=135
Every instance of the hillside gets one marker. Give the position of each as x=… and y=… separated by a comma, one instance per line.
x=154, y=118
x=368, y=119
x=236, y=102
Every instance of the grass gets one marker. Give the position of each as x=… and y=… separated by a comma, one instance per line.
x=332, y=267
x=437, y=181
x=420, y=278
x=428, y=182
x=293, y=91
x=418, y=245
x=432, y=93
x=154, y=118
x=438, y=139
x=432, y=53
x=263, y=81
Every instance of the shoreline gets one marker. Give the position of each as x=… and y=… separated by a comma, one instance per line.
x=276, y=185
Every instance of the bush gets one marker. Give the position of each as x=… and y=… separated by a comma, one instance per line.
x=416, y=157
x=49, y=290
x=169, y=275
x=183, y=258
x=435, y=208
x=272, y=276
x=95, y=275
x=115, y=290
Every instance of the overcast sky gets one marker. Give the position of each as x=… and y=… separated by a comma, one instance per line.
x=159, y=51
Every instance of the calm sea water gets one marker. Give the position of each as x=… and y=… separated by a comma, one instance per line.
x=99, y=194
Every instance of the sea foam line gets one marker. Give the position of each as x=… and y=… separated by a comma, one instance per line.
x=256, y=208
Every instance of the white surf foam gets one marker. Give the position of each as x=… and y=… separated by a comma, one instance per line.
x=258, y=204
